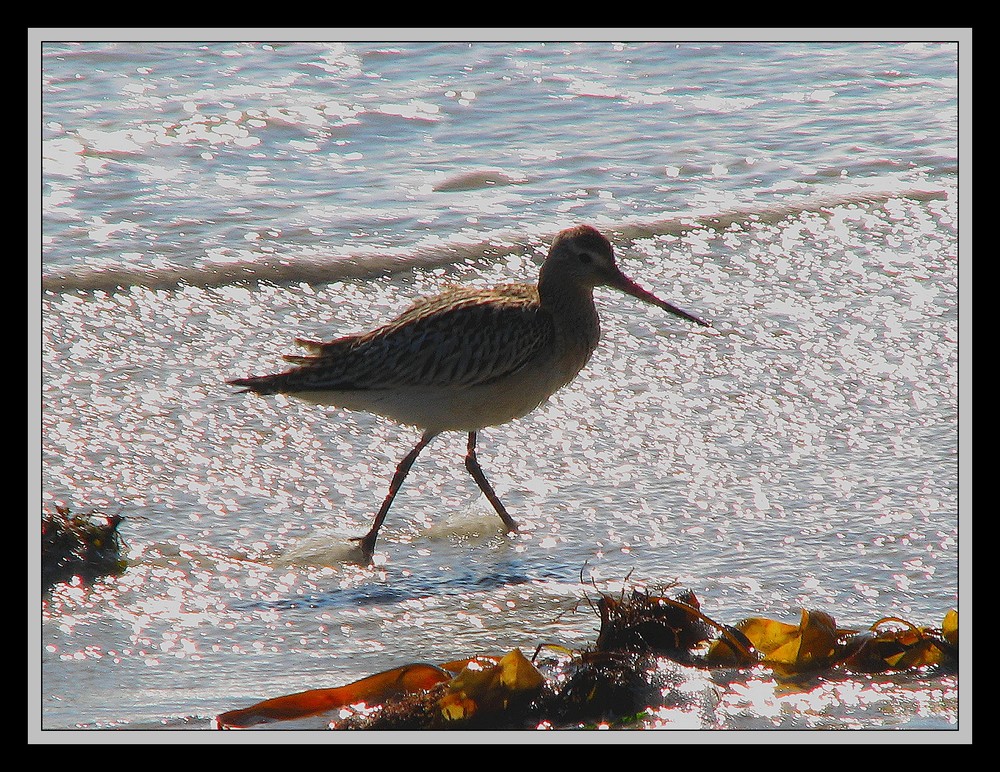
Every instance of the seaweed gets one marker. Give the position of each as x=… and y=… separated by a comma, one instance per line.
x=87, y=546
x=644, y=643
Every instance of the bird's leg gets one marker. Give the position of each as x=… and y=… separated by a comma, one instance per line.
x=472, y=464
x=367, y=541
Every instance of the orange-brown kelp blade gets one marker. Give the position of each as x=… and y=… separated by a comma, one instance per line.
x=372, y=691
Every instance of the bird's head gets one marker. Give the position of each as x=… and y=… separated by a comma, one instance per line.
x=583, y=256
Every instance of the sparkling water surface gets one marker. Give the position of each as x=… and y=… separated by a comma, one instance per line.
x=803, y=452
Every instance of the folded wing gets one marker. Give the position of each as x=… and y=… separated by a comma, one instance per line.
x=462, y=337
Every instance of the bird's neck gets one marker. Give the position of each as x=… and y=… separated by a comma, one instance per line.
x=558, y=291
x=572, y=308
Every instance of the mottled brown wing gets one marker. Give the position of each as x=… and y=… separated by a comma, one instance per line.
x=462, y=337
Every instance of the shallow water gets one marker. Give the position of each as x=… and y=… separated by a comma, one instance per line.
x=801, y=453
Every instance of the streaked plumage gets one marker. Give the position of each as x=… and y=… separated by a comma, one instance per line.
x=448, y=347
x=467, y=358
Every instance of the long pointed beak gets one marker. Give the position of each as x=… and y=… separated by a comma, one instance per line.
x=622, y=282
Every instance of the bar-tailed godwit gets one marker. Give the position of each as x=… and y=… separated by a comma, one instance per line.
x=467, y=358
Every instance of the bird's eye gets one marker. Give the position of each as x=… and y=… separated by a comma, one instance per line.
x=584, y=257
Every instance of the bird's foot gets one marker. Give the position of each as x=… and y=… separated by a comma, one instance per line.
x=508, y=522
x=366, y=545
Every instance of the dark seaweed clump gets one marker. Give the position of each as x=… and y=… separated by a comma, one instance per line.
x=88, y=546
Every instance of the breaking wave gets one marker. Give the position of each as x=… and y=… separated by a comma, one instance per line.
x=360, y=264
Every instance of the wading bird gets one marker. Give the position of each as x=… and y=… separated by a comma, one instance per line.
x=467, y=358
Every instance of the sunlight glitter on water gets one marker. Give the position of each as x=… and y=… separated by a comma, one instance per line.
x=800, y=453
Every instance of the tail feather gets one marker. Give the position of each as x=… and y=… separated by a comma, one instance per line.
x=304, y=376
x=312, y=346
x=298, y=359
x=260, y=384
